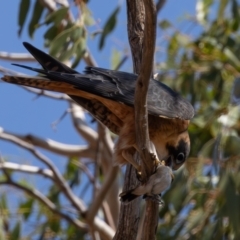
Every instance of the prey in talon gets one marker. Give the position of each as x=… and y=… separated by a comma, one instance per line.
x=156, y=184
x=109, y=96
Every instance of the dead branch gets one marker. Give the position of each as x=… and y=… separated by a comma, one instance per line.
x=46, y=202
x=140, y=99
x=98, y=224
x=77, y=203
x=96, y=204
x=17, y=57
x=26, y=169
x=49, y=144
x=129, y=214
x=80, y=125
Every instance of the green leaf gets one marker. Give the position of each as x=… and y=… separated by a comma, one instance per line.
x=221, y=9
x=231, y=146
x=109, y=26
x=61, y=39
x=57, y=16
x=15, y=234
x=164, y=24
x=36, y=16
x=26, y=208
x=69, y=43
x=231, y=56
x=235, y=10
x=3, y=202
x=115, y=58
x=235, y=13
x=22, y=15
x=25, y=183
x=202, y=9
x=86, y=15
x=231, y=207
x=54, y=223
x=51, y=33
x=80, y=50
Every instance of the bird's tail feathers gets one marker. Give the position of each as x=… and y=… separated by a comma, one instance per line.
x=40, y=83
x=30, y=68
x=47, y=62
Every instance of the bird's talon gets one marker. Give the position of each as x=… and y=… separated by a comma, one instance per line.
x=155, y=159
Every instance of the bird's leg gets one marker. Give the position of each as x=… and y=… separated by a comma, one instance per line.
x=154, y=155
x=129, y=157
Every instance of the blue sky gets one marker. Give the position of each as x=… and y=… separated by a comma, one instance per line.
x=20, y=113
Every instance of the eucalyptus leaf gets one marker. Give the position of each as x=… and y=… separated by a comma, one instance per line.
x=22, y=15
x=108, y=27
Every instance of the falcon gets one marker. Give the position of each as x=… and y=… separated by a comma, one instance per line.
x=109, y=96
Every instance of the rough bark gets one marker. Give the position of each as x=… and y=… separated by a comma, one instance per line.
x=129, y=214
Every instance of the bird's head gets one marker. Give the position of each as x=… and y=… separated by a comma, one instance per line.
x=178, y=150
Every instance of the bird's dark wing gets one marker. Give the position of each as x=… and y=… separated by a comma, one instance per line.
x=161, y=100
x=120, y=87
x=114, y=85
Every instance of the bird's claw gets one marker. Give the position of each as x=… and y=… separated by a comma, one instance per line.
x=156, y=161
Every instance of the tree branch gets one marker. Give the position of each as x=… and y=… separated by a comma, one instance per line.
x=48, y=144
x=77, y=203
x=96, y=204
x=45, y=201
x=98, y=224
x=141, y=116
x=82, y=128
x=68, y=150
x=17, y=57
x=129, y=214
x=140, y=101
x=26, y=169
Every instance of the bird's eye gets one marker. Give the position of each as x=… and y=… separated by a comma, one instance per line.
x=180, y=158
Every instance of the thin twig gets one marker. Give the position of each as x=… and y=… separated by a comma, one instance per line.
x=80, y=125
x=96, y=204
x=85, y=169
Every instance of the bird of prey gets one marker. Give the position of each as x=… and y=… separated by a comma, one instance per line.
x=156, y=184
x=109, y=96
